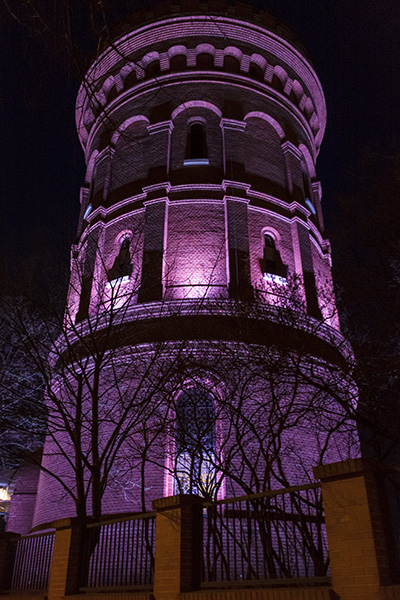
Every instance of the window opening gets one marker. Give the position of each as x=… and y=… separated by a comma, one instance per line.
x=178, y=62
x=195, y=443
x=153, y=69
x=205, y=60
x=271, y=262
x=122, y=266
x=196, y=145
x=197, y=141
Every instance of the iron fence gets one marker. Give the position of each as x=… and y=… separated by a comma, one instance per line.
x=28, y=562
x=119, y=553
x=273, y=535
x=389, y=499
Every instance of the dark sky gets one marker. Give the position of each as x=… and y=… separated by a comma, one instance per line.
x=355, y=48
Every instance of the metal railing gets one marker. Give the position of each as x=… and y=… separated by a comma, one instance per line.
x=269, y=536
x=119, y=553
x=389, y=489
x=28, y=562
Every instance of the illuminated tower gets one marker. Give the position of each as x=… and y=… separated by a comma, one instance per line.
x=201, y=205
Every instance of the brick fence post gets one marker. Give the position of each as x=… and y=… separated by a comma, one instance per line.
x=356, y=538
x=178, y=545
x=66, y=559
x=5, y=538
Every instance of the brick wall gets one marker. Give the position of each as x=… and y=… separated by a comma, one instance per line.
x=22, y=505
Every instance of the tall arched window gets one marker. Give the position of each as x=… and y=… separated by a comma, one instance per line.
x=271, y=262
x=195, y=443
x=205, y=60
x=122, y=266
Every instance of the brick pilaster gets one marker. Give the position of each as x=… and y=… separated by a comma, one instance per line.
x=357, y=545
x=151, y=288
x=238, y=248
x=66, y=559
x=303, y=235
x=178, y=545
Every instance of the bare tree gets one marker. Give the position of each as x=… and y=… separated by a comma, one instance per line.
x=257, y=416
x=254, y=418
x=100, y=390
x=21, y=392
x=369, y=258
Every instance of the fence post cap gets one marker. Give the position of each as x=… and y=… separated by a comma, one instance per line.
x=177, y=501
x=66, y=523
x=346, y=468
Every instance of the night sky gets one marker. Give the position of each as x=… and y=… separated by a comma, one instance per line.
x=354, y=46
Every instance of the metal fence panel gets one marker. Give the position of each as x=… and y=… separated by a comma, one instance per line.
x=28, y=562
x=119, y=553
x=276, y=535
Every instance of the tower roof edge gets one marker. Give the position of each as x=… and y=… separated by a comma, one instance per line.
x=246, y=11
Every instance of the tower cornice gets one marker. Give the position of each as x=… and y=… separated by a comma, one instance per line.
x=137, y=49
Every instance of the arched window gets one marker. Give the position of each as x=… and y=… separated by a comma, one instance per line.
x=122, y=266
x=196, y=149
x=195, y=443
x=130, y=80
x=197, y=141
x=112, y=94
x=271, y=262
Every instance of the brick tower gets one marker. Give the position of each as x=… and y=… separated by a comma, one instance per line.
x=201, y=233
